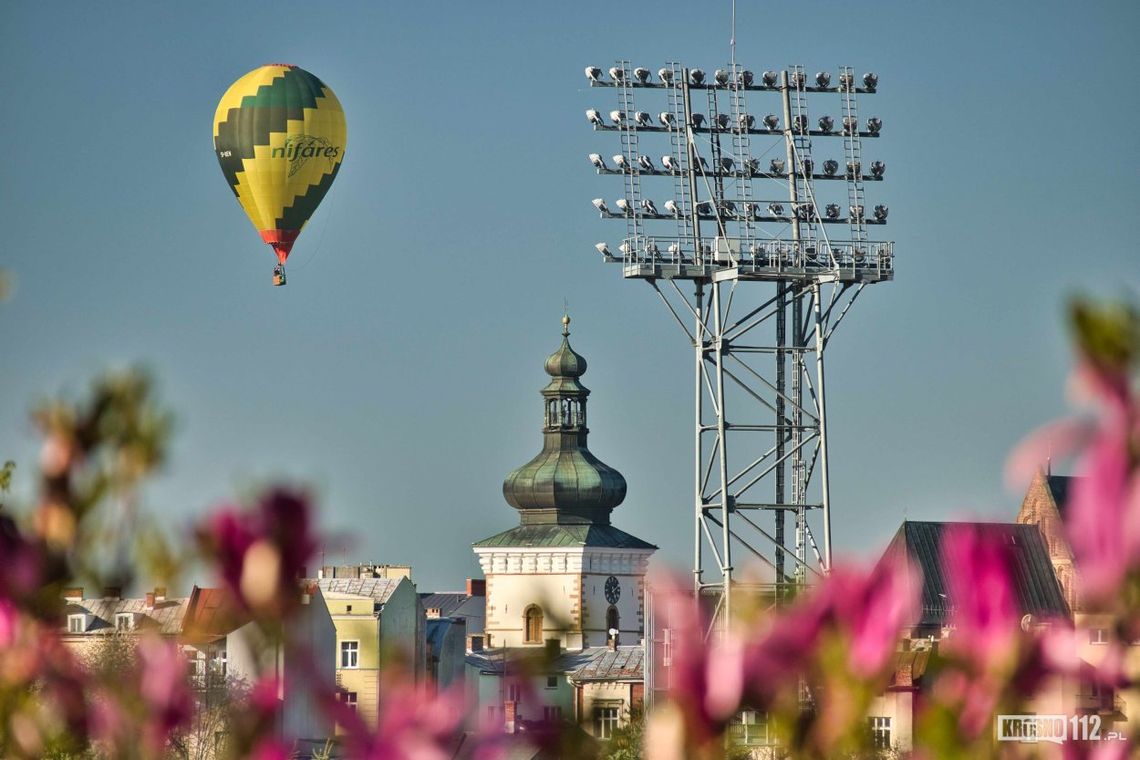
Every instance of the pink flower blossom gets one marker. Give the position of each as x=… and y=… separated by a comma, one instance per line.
x=873, y=608
x=164, y=689
x=984, y=615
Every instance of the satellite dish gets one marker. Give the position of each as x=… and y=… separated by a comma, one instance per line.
x=1026, y=622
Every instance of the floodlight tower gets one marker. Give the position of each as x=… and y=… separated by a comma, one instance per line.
x=750, y=210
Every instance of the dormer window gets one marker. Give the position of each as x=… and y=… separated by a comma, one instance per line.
x=124, y=621
x=76, y=623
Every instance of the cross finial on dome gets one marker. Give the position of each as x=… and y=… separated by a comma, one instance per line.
x=565, y=324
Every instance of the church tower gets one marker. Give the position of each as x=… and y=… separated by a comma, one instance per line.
x=564, y=572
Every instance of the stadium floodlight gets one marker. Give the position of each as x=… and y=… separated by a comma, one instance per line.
x=617, y=74
x=641, y=75
x=704, y=164
x=832, y=210
x=646, y=163
x=777, y=209
x=776, y=165
x=797, y=79
x=801, y=124
x=856, y=212
x=649, y=206
x=751, y=210
x=772, y=121
x=596, y=160
x=826, y=123
x=746, y=78
x=668, y=163
x=870, y=80
x=723, y=120
x=671, y=207
x=878, y=168
x=853, y=168
x=830, y=167
x=619, y=159
x=752, y=166
x=600, y=205
x=850, y=125
x=770, y=78
x=696, y=76
x=667, y=119
x=652, y=249
x=603, y=249
x=593, y=73
x=726, y=164
x=644, y=119
x=617, y=117
x=675, y=250
x=823, y=79
x=881, y=212
x=704, y=208
x=728, y=208
x=807, y=166
x=804, y=211
x=846, y=81
x=746, y=120
x=721, y=77
x=874, y=125
x=697, y=120
x=623, y=205
x=665, y=75
x=625, y=249
x=595, y=118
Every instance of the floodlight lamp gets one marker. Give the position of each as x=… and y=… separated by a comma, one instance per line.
x=603, y=249
x=726, y=164
x=881, y=212
x=777, y=209
x=878, y=168
x=665, y=75
x=623, y=204
x=853, y=168
x=617, y=117
x=646, y=163
x=807, y=166
x=856, y=212
x=642, y=75
x=668, y=163
x=777, y=166
x=723, y=120
x=804, y=211
x=644, y=119
x=797, y=79
x=846, y=80
x=870, y=80
x=772, y=121
x=649, y=206
x=874, y=125
x=750, y=210
x=704, y=208
x=770, y=78
x=593, y=73
x=671, y=207
x=826, y=123
x=830, y=167
x=801, y=124
x=600, y=205
x=832, y=210
x=706, y=249
x=721, y=77
x=696, y=76
x=617, y=74
x=850, y=125
x=652, y=249
x=625, y=249
x=704, y=164
x=666, y=119
x=595, y=118
x=746, y=78
x=752, y=166
x=619, y=159
x=728, y=208
x=746, y=120
x=697, y=120
x=823, y=79
x=597, y=161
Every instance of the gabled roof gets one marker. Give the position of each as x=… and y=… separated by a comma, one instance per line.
x=212, y=613
x=166, y=616
x=585, y=534
x=626, y=663
x=1035, y=583
x=380, y=590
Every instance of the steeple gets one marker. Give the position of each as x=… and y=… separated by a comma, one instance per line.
x=565, y=483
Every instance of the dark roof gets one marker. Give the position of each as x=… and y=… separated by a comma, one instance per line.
x=472, y=609
x=378, y=589
x=1035, y=583
x=1059, y=486
x=626, y=663
x=212, y=613
x=166, y=616
x=435, y=630
x=566, y=535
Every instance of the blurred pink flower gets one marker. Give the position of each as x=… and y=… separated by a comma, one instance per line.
x=165, y=690
x=984, y=614
x=412, y=724
x=873, y=608
x=9, y=619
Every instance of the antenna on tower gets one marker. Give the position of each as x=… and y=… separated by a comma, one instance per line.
x=767, y=252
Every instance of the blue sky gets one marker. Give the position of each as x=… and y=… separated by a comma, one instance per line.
x=399, y=371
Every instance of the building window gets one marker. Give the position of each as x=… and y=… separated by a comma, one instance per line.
x=667, y=647
x=606, y=721
x=123, y=621
x=552, y=713
x=220, y=662
x=613, y=623
x=350, y=654
x=880, y=732
x=1098, y=635
x=552, y=682
x=349, y=699
x=750, y=727
x=532, y=624
x=76, y=623
x=348, y=609
x=514, y=692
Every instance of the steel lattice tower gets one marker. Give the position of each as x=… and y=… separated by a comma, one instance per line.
x=748, y=218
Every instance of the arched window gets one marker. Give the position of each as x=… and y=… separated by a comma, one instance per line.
x=532, y=625
x=612, y=621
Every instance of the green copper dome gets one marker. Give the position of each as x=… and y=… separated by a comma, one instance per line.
x=565, y=483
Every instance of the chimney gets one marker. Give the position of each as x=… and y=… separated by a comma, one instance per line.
x=510, y=714
x=113, y=592
x=150, y=600
x=476, y=587
x=74, y=594
x=159, y=594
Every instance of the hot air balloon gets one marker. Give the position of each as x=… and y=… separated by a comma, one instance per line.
x=279, y=134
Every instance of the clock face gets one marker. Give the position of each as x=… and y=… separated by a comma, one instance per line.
x=613, y=590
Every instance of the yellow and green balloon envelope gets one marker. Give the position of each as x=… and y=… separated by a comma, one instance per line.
x=279, y=134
